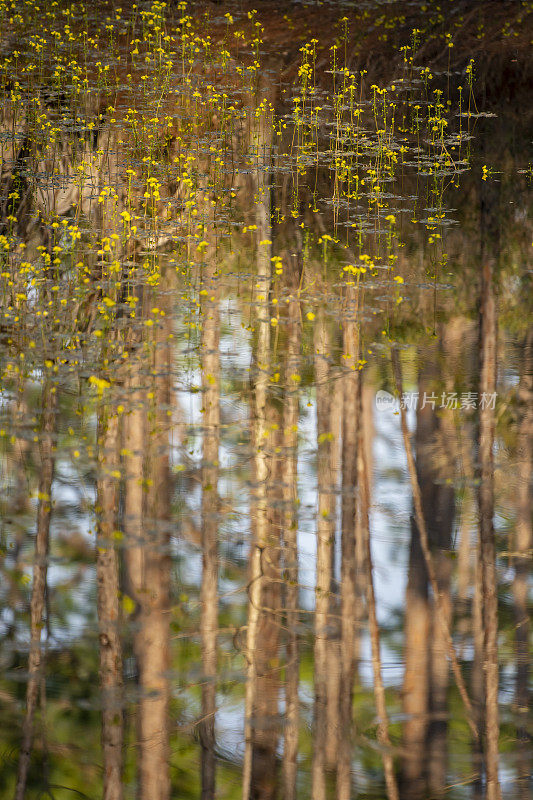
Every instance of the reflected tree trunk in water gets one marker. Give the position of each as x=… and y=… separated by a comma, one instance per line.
x=134, y=492
x=19, y=507
x=465, y=333
x=262, y=138
x=334, y=621
x=477, y=679
x=324, y=557
x=440, y=531
x=290, y=537
x=110, y=649
x=133, y=433
x=210, y=511
x=21, y=454
x=464, y=570
x=265, y=712
x=415, y=682
x=154, y=644
x=487, y=544
x=146, y=509
x=40, y=566
x=419, y=519
x=415, y=692
x=349, y=615
x=265, y=733
x=442, y=469
x=379, y=688
x=522, y=563
x=468, y=575
x=439, y=666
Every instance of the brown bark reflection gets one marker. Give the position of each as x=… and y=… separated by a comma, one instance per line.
x=40, y=568
x=487, y=545
x=146, y=523
x=415, y=691
x=522, y=564
x=379, y=688
x=265, y=712
x=350, y=613
x=266, y=720
x=324, y=559
x=155, y=645
x=210, y=511
x=439, y=666
x=262, y=464
x=288, y=247
x=421, y=489
x=477, y=687
x=440, y=529
x=334, y=698
x=290, y=550
x=107, y=576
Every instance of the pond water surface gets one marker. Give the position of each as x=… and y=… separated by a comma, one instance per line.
x=266, y=408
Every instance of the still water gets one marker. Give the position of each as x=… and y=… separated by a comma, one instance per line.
x=266, y=425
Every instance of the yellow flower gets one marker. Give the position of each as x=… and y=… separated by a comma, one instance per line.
x=100, y=384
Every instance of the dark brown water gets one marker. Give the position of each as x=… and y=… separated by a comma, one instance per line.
x=266, y=400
